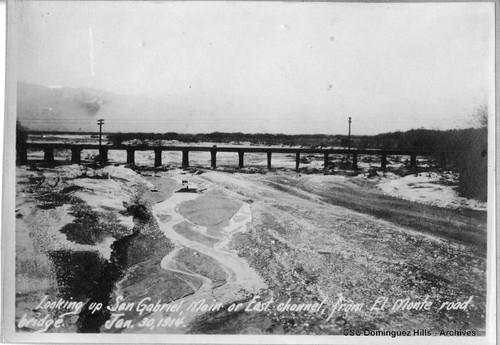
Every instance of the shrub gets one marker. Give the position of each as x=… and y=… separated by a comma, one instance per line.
x=472, y=164
x=116, y=138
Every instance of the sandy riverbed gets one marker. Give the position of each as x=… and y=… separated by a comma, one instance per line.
x=279, y=235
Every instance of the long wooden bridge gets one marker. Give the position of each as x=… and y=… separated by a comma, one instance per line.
x=76, y=149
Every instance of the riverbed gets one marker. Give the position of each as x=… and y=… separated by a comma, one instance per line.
x=115, y=234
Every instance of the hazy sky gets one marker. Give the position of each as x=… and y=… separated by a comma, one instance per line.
x=270, y=66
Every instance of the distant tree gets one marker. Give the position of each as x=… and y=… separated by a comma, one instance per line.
x=482, y=116
x=116, y=138
x=473, y=160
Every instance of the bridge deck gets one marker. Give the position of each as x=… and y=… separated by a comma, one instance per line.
x=241, y=150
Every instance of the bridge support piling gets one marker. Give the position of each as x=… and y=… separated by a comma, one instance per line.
x=383, y=163
x=130, y=156
x=185, y=158
x=76, y=156
x=103, y=154
x=213, y=160
x=442, y=160
x=22, y=155
x=157, y=158
x=413, y=163
x=48, y=154
x=355, y=161
x=241, y=155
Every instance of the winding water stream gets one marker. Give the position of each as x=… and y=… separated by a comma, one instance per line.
x=240, y=276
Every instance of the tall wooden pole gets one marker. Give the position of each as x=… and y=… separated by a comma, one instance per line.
x=349, y=137
x=103, y=156
x=100, y=122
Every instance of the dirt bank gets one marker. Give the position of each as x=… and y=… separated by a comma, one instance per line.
x=81, y=231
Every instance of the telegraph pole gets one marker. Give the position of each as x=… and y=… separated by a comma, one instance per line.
x=349, y=137
x=100, y=122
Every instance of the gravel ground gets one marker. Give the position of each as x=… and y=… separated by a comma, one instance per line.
x=310, y=238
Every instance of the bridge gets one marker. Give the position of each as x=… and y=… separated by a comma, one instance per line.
x=76, y=149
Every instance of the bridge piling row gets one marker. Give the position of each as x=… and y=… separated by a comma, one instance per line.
x=76, y=152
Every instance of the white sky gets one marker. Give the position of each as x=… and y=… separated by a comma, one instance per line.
x=271, y=66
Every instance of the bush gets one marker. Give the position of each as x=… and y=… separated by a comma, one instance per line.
x=116, y=138
x=472, y=165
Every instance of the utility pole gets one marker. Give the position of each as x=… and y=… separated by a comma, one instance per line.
x=349, y=137
x=100, y=122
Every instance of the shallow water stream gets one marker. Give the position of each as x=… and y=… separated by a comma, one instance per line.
x=240, y=276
